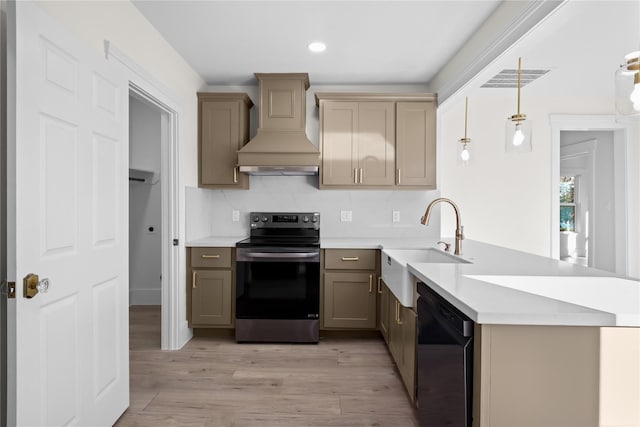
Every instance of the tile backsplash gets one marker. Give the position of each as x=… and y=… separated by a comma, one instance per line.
x=210, y=212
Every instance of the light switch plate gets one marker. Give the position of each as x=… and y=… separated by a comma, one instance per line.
x=396, y=216
x=235, y=216
x=345, y=216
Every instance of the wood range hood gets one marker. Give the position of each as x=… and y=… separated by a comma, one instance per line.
x=281, y=146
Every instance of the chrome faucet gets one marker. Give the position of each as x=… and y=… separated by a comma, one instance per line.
x=459, y=236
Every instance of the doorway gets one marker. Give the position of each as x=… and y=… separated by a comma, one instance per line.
x=577, y=198
x=143, y=86
x=613, y=181
x=145, y=215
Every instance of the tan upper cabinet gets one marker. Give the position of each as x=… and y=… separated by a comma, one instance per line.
x=357, y=140
x=377, y=140
x=416, y=144
x=223, y=128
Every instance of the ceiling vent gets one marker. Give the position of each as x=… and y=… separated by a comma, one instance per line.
x=509, y=78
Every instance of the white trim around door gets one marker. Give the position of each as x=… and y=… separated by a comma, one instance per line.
x=175, y=331
x=627, y=209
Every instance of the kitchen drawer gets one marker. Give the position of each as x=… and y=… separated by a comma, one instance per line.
x=211, y=257
x=350, y=259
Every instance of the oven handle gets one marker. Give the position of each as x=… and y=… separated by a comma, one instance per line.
x=288, y=255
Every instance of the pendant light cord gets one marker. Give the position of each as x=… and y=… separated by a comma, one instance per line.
x=519, y=65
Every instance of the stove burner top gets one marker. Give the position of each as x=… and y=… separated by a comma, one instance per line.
x=283, y=229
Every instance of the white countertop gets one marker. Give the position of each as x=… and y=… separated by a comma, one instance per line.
x=504, y=286
x=215, y=242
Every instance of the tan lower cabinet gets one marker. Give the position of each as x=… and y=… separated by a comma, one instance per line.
x=383, y=309
x=349, y=293
x=349, y=300
x=211, y=297
x=402, y=342
x=210, y=288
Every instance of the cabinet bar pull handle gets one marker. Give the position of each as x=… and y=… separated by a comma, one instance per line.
x=370, y=283
x=379, y=285
x=361, y=170
x=399, y=176
x=205, y=256
x=399, y=313
x=396, y=311
x=350, y=258
x=355, y=175
x=235, y=175
x=193, y=279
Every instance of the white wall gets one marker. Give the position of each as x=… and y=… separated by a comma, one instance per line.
x=504, y=198
x=209, y=212
x=145, y=251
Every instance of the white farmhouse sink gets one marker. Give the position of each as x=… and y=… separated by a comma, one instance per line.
x=397, y=277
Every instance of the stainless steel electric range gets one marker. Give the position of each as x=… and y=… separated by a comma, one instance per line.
x=278, y=279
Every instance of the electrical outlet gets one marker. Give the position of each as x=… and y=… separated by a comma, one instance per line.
x=235, y=216
x=396, y=216
x=345, y=216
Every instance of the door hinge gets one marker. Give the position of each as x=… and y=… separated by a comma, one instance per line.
x=11, y=290
x=175, y=242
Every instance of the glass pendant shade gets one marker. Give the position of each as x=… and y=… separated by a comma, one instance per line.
x=518, y=136
x=464, y=153
x=628, y=88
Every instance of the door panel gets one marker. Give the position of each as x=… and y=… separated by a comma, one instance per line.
x=416, y=144
x=339, y=143
x=376, y=142
x=71, y=351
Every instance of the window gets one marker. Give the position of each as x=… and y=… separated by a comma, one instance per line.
x=568, y=203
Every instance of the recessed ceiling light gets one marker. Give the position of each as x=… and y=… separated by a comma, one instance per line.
x=317, y=47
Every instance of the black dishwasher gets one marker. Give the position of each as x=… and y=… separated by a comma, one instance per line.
x=445, y=362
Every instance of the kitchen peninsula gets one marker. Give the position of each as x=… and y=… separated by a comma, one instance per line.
x=556, y=344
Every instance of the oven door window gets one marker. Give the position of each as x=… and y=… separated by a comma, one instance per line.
x=278, y=289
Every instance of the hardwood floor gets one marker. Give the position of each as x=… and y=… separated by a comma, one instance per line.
x=212, y=381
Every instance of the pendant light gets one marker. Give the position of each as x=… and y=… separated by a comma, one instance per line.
x=464, y=154
x=628, y=88
x=518, y=128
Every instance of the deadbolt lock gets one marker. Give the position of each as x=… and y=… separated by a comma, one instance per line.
x=30, y=282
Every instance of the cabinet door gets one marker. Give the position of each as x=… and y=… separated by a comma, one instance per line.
x=408, y=319
x=339, y=143
x=349, y=300
x=211, y=298
x=383, y=313
x=376, y=143
x=394, y=331
x=223, y=128
x=416, y=144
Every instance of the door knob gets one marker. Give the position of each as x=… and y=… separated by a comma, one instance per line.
x=32, y=285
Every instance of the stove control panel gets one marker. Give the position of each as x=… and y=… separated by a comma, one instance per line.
x=309, y=220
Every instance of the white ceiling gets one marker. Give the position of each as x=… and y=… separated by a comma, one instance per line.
x=368, y=42
x=393, y=42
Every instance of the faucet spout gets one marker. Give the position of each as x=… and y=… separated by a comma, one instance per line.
x=459, y=233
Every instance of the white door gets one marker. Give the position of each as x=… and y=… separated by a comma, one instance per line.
x=71, y=350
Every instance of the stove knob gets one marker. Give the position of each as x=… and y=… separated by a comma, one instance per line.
x=265, y=218
x=314, y=219
x=305, y=219
x=256, y=218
